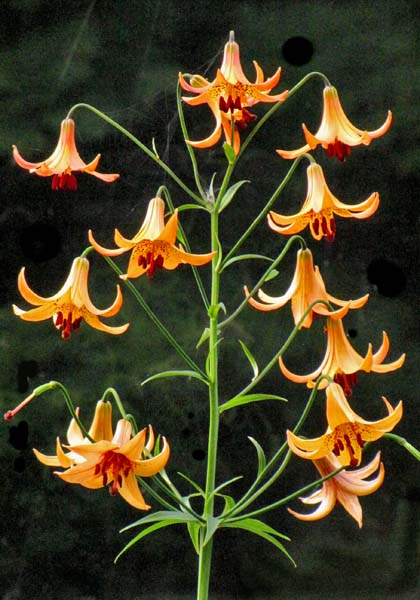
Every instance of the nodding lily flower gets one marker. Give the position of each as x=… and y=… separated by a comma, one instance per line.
x=341, y=361
x=112, y=460
x=336, y=134
x=307, y=286
x=230, y=95
x=153, y=246
x=344, y=488
x=346, y=433
x=319, y=209
x=70, y=305
x=64, y=161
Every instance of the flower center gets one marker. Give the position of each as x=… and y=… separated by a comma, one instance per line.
x=347, y=439
x=64, y=181
x=65, y=322
x=113, y=467
x=323, y=225
x=338, y=149
x=151, y=260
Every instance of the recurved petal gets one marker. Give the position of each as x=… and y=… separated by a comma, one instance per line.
x=383, y=128
x=308, y=448
x=106, y=312
x=94, y=322
x=176, y=256
x=301, y=378
x=130, y=491
x=327, y=500
x=35, y=314
x=22, y=162
x=292, y=154
x=151, y=466
x=28, y=294
x=134, y=447
x=109, y=251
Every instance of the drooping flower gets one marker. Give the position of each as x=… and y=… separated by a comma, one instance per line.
x=230, y=95
x=344, y=488
x=113, y=460
x=341, y=362
x=336, y=134
x=319, y=209
x=70, y=305
x=346, y=433
x=153, y=246
x=307, y=286
x=64, y=161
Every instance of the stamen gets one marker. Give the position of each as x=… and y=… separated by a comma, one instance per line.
x=338, y=149
x=64, y=181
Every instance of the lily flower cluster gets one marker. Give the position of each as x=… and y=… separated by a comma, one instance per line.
x=102, y=457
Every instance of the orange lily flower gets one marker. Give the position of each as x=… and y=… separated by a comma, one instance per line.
x=229, y=95
x=345, y=488
x=341, y=362
x=153, y=246
x=346, y=433
x=113, y=460
x=70, y=305
x=63, y=161
x=307, y=286
x=319, y=208
x=336, y=134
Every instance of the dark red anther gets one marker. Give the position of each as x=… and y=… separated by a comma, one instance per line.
x=237, y=104
x=104, y=479
x=97, y=469
x=222, y=104
x=315, y=225
x=77, y=322
x=119, y=479
x=338, y=149
x=58, y=319
x=247, y=117
x=65, y=181
x=359, y=440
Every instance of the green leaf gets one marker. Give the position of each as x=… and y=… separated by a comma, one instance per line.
x=210, y=193
x=190, y=207
x=229, y=503
x=226, y=483
x=247, y=399
x=212, y=524
x=229, y=153
x=245, y=257
x=251, y=359
x=146, y=532
x=214, y=309
x=261, y=455
x=164, y=374
x=263, y=530
x=204, y=336
x=230, y=194
x=161, y=515
x=194, y=531
x=193, y=484
x=154, y=148
x=272, y=275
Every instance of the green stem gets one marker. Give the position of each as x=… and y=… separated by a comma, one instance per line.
x=189, y=147
x=156, y=321
x=205, y=552
x=140, y=145
x=275, y=107
x=266, y=208
x=196, y=274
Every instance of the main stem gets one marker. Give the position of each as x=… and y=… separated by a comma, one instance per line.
x=205, y=553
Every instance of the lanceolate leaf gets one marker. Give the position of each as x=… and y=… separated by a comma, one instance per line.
x=248, y=398
x=161, y=515
x=261, y=455
x=229, y=153
x=164, y=374
x=263, y=530
x=194, y=531
x=147, y=531
x=251, y=359
x=230, y=193
x=212, y=524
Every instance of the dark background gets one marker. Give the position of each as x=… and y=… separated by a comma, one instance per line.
x=59, y=541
